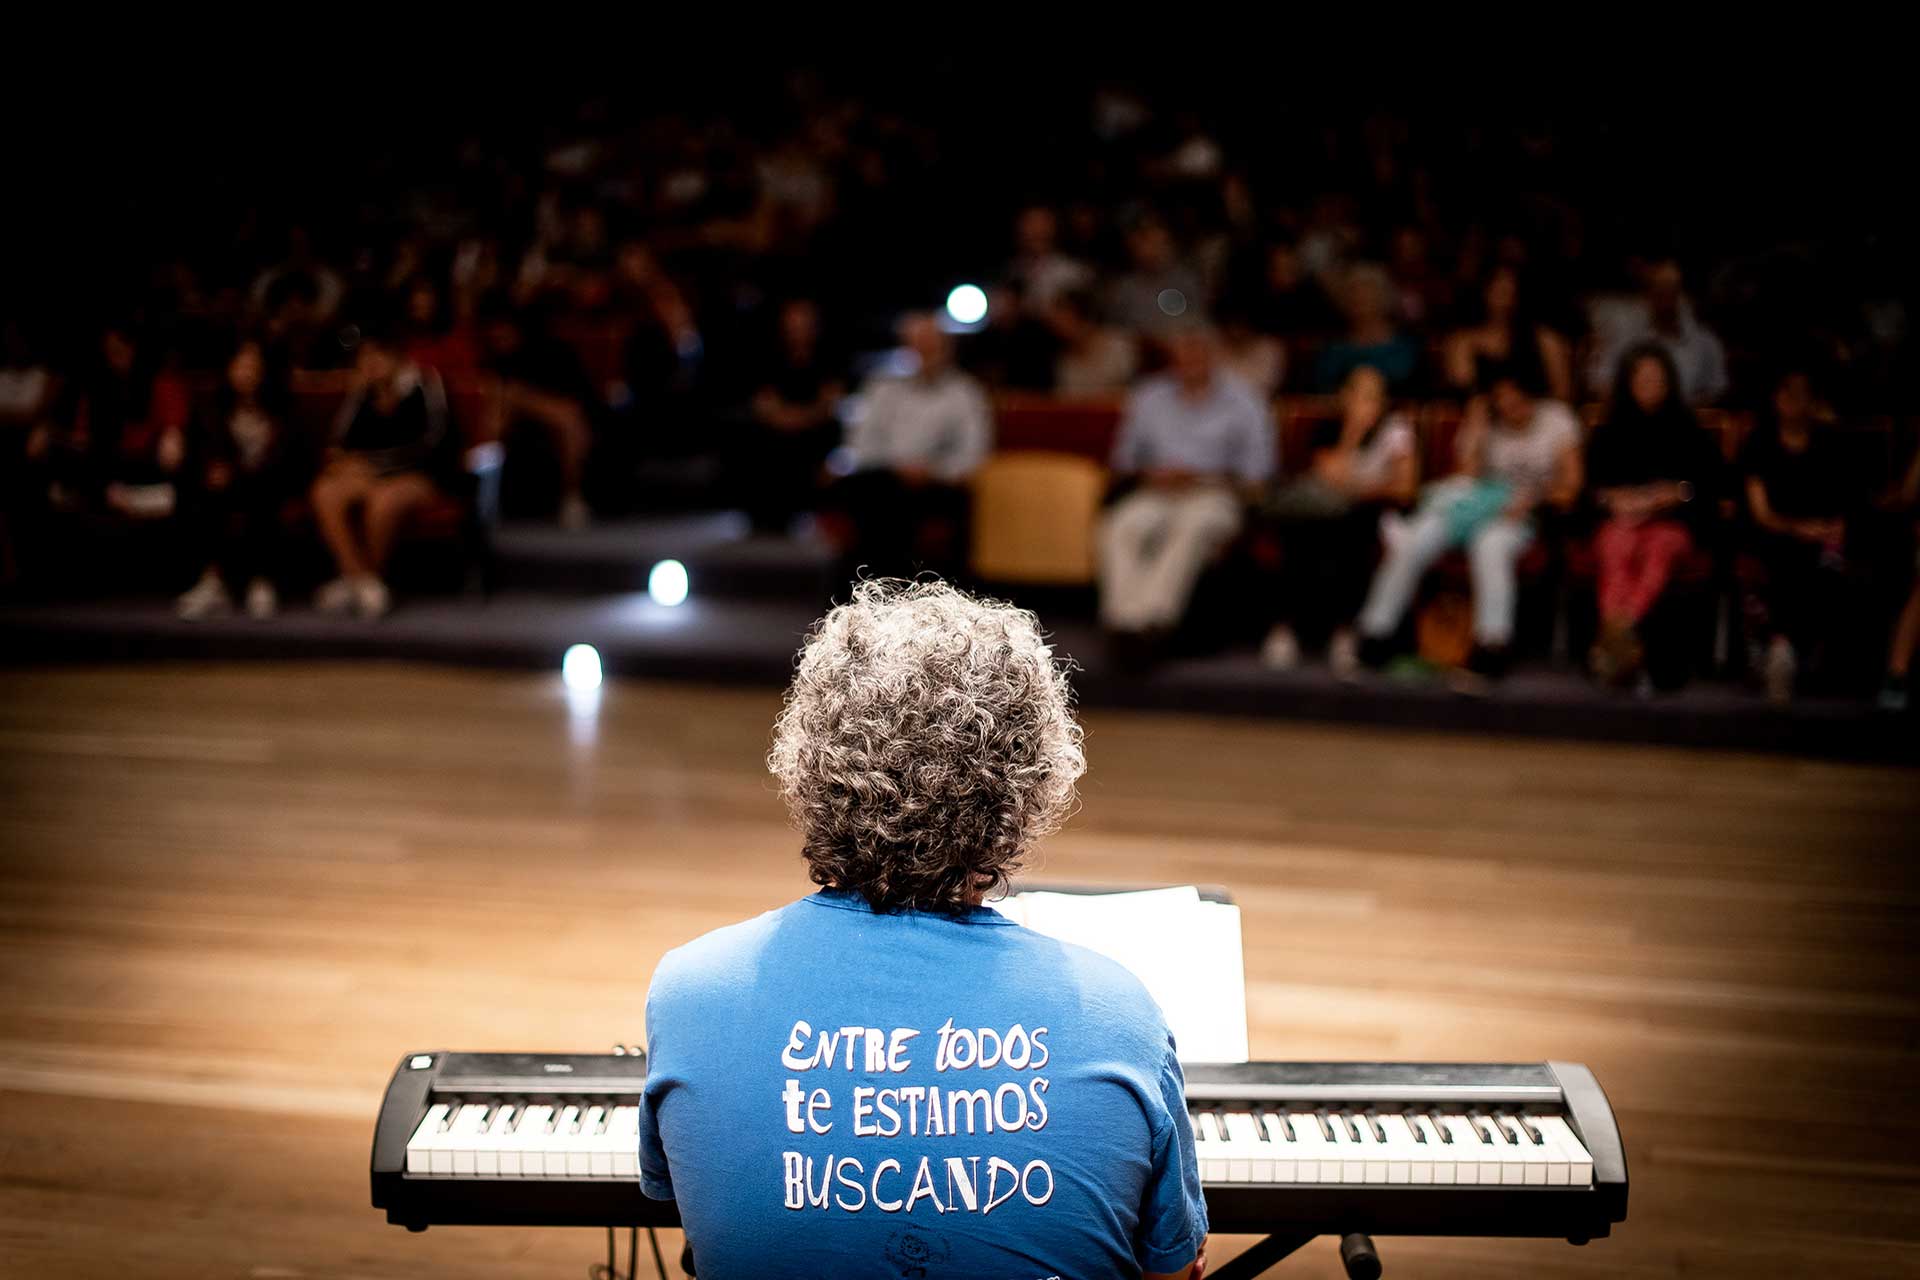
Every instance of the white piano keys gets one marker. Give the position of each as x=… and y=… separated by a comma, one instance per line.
x=1431, y=1162
x=1557, y=1131
x=559, y=1139
x=1209, y=1148
x=1312, y=1144
x=580, y=1149
x=420, y=1145
x=523, y=1155
x=486, y=1154
x=464, y=1137
x=1533, y=1155
x=623, y=1137
x=1468, y=1162
x=1400, y=1150
x=1285, y=1149
x=1249, y=1155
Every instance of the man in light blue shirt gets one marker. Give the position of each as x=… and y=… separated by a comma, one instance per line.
x=1199, y=443
x=888, y=1078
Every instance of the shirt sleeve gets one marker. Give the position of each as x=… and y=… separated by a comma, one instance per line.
x=656, y=1179
x=975, y=439
x=867, y=433
x=1173, y=1213
x=1129, y=442
x=1257, y=446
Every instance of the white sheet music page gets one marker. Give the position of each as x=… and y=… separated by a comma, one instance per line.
x=1185, y=951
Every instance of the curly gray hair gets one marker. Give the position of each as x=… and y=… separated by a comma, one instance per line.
x=927, y=741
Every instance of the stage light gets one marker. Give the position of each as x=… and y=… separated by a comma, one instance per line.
x=667, y=583
x=967, y=304
x=581, y=668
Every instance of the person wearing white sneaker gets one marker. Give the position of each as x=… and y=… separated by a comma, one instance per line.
x=389, y=433
x=1328, y=523
x=243, y=466
x=204, y=598
x=262, y=600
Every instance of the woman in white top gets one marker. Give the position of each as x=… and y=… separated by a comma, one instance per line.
x=1327, y=522
x=1519, y=453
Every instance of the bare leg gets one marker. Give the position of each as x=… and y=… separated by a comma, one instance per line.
x=339, y=489
x=388, y=503
x=1906, y=635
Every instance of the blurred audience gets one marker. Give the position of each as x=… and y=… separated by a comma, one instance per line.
x=1327, y=522
x=1661, y=314
x=1371, y=338
x=793, y=421
x=1194, y=446
x=1094, y=359
x=1799, y=492
x=1519, y=455
x=1159, y=293
x=389, y=442
x=1653, y=472
x=914, y=440
x=247, y=464
x=1506, y=334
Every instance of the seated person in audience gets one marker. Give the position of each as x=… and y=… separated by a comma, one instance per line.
x=1661, y=314
x=1280, y=297
x=1652, y=469
x=1159, y=294
x=389, y=440
x=1094, y=360
x=433, y=339
x=1040, y=273
x=1896, y=689
x=794, y=422
x=1799, y=493
x=1519, y=454
x=914, y=442
x=1257, y=359
x=537, y=384
x=1328, y=520
x=841, y=1048
x=1371, y=339
x=1507, y=334
x=119, y=442
x=1195, y=445
x=246, y=465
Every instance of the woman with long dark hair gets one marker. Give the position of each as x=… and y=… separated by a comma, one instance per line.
x=1651, y=467
x=247, y=466
x=1507, y=335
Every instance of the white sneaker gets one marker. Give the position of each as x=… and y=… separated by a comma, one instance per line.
x=1343, y=653
x=574, y=513
x=371, y=597
x=262, y=600
x=1281, y=652
x=335, y=597
x=204, y=598
x=1781, y=667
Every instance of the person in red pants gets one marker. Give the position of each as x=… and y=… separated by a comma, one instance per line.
x=1651, y=466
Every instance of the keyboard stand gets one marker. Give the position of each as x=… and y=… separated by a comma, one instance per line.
x=1356, y=1253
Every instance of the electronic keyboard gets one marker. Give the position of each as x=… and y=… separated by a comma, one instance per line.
x=1287, y=1149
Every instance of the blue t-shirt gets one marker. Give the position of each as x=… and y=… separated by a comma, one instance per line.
x=833, y=1091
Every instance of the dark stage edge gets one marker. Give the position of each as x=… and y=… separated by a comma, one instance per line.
x=752, y=642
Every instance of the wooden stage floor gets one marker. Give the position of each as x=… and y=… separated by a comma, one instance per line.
x=231, y=897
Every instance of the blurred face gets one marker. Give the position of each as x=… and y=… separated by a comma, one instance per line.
x=376, y=362
x=1366, y=297
x=117, y=347
x=1192, y=356
x=1663, y=289
x=1364, y=397
x=1794, y=399
x=1283, y=267
x=422, y=304
x=799, y=324
x=1503, y=295
x=923, y=337
x=1511, y=404
x=246, y=371
x=1035, y=231
x=1648, y=384
x=1151, y=247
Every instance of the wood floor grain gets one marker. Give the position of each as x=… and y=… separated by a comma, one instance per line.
x=231, y=897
